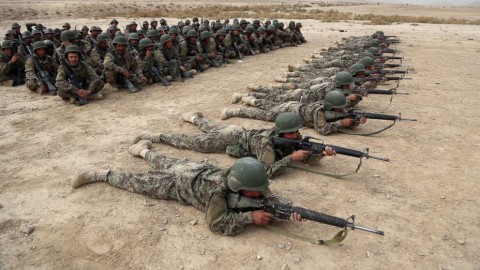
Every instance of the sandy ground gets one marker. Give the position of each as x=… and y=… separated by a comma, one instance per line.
x=426, y=200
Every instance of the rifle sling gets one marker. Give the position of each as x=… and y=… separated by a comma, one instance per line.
x=339, y=237
x=369, y=134
x=337, y=176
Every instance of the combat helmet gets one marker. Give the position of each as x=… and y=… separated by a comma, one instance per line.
x=335, y=100
x=72, y=48
x=165, y=38
x=133, y=36
x=249, y=29
x=120, y=40
x=287, y=122
x=68, y=35
x=355, y=68
x=205, y=34
x=7, y=44
x=247, y=174
x=102, y=37
x=342, y=78
x=144, y=43
x=38, y=45
x=367, y=61
x=192, y=33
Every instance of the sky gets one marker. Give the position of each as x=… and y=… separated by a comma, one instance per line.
x=430, y=2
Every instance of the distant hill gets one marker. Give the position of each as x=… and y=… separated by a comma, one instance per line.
x=474, y=4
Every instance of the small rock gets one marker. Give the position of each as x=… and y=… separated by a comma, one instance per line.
x=288, y=247
x=201, y=252
x=296, y=260
x=162, y=229
x=193, y=222
x=285, y=267
x=388, y=196
x=442, y=197
x=421, y=254
x=281, y=246
x=148, y=203
x=259, y=257
x=376, y=176
x=445, y=237
x=461, y=242
x=26, y=228
x=165, y=222
x=368, y=254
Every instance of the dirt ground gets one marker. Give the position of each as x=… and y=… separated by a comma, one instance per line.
x=426, y=199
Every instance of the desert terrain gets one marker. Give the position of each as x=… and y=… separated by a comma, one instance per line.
x=426, y=199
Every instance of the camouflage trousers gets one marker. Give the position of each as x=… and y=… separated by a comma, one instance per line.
x=171, y=179
x=96, y=88
x=215, y=139
x=313, y=94
x=116, y=78
x=267, y=110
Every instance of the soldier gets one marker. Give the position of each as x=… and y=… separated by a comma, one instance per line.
x=264, y=43
x=251, y=41
x=132, y=46
x=50, y=48
x=202, y=185
x=87, y=84
x=153, y=24
x=131, y=28
x=312, y=115
x=94, y=32
x=66, y=26
x=37, y=36
x=114, y=23
x=9, y=35
x=218, y=38
x=50, y=35
x=12, y=72
x=25, y=50
x=274, y=40
x=170, y=60
x=112, y=32
x=343, y=82
x=68, y=38
x=207, y=49
x=292, y=33
x=195, y=24
x=238, y=142
x=194, y=58
x=57, y=34
x=256, y=25
x=141, y=34
x=145, y=26
x=121, y=68
x=298, y=31
x=163, y=23
x=47, y=64
x=98, y=53
x=149, y=64
x=235, y=44
x=16, y=31
x=154, y=36
x=84, y=31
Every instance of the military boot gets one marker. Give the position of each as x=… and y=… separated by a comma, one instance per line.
x=292, y=74
x=154, y=138
x=89, y=176
x=110, y=87
x=227, y=113
x=191, y=116
x=97, y=96
x=7, y=83
x=236, y=97
x=285, y=86
x=253, y=87
x=249, y=100
x=136, y=149
x=308, y=60
x=293, y=67
x=281, y=79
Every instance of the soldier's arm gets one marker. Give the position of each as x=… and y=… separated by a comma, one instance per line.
x=183, y=49
x=93, y=78
x=267, y=157
x=137, y=68
x=61, y=82
x=30, y=72
x=96, y=59
x=109, y=63
x=224, y=221
x=329, y=127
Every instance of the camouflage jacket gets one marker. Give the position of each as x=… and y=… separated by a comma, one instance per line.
x=230, y=40
x=48, y=64
x=8, y=68
x=97, y=56
x=118, y=63
x=84, y=74
x=145, y=63
x=182, y=47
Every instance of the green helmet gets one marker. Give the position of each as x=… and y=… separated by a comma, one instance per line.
x=27, y=34
x=201, y=28
x=7, y=44
x=144, y=43
x=102, y=37
x=165, y=38
x=367, y=43
x=256, y=21
x=249, y=29
x=335, y=99
x=120, y=40
x=373, y=50
x=369, y=55
x=38, y=45
x=205, y=34
x=376, y=43
x=298, y=24
x=342, y=78
x=95, y=29
x=242, y=21
x=140, y=32
x=192, y=33
x=68, y=35
x=355, y=68
x=72, y=48
x=237, y=27
x=261, y=29
x=152, y=33
x=173, y=30
x=49, y=31
x=291, y=23
x=271, y=27
x=133, y=36
x=113, y=21
x=221, y=32
x=287, y=122
x=367, y=61
x=247, y=174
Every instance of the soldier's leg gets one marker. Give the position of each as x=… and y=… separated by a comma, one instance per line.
x=252, y=113
x=32, y=84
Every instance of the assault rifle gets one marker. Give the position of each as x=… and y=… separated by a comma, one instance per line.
x=72, y=79
x=387, y=65
x=316, y=148
x=386, y=78
x=392, y=71
x=282, y=209
x=331, y=116
x=156, y=73
x=239, y=53
x=250, y=48
x=44, y=76
x=363, y=91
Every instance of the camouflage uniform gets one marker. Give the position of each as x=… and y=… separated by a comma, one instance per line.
x=114, y=63
x=48, y=64
x=85, y=75
x=230, y=40
x=235, y=140
x=315, y=93
x=312, y=115
x=97, y=57
x=201, y=185
x=145, y=63
x=10, y=71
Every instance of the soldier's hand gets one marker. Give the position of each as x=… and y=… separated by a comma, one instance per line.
x=347, y=122
x=148, y=53
x=15, y=58
x=125, y=73
x=83, y=93
x=299, y=155
x=328, y=151
x=144, y=79
x=261, y=217
x=66, y=43
x=363, y=120
x=296, y=217
x=352, y=97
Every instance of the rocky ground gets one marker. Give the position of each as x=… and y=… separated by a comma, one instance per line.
x=426, y=199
